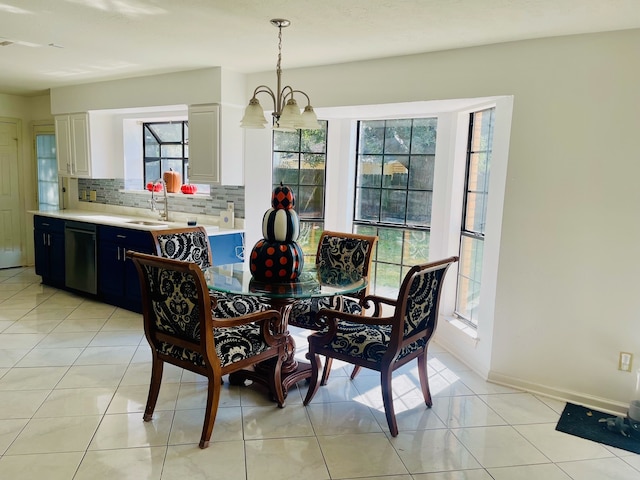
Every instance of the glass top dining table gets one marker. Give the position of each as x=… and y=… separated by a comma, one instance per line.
x=312, y=282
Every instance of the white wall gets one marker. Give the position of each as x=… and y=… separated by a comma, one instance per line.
x=190, y=87
x=30, y=111
x=567, y=284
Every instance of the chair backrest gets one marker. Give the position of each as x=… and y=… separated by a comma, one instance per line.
x=419, y=297
x=348, y=252
x=176, y=308
x=189, y=244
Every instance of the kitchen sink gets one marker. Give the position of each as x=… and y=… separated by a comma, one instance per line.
x=148, y=223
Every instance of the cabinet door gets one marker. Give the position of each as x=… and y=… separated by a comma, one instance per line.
x=110, y=270
x=80, y=144
x=231, y=146
x=57, y=258
x=204, y=144
x=41, y=252
x=118, y=281
x=48, y=241
x=63, y=144
x=72, y=143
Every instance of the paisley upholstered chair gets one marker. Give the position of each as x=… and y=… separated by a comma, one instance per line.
x=347, y=252
x=191, y=244
x=181, y=330
x=384, y=343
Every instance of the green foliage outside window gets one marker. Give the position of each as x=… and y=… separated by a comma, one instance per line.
x=394, y=189
x=299, y=161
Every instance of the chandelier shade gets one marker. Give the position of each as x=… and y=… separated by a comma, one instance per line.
x=286, y=113
x=253, y=115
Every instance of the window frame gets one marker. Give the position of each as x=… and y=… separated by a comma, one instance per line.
x=310, y=226
x=183, y=142
x=380, y=228
x=473, y=235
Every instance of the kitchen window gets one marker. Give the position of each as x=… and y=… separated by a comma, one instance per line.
x=165, y=146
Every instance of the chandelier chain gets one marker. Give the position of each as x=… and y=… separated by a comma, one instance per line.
x=279, y=48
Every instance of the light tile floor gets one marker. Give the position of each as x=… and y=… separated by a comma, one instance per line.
x=73, y=383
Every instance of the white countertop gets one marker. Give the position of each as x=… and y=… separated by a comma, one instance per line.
x=127, y=221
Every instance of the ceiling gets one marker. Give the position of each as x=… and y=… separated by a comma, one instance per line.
x=47, y=44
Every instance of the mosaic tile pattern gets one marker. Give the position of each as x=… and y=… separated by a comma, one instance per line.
x=109, y=191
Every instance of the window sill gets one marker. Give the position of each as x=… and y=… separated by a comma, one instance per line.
x=469, y=332
x=180, y=194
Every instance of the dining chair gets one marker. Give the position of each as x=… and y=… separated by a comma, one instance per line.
x=384, y=343
x=191, y=244
x=181, y=330
x=350, y=253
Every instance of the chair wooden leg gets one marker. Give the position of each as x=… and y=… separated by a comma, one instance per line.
x=277, y=380
x=327, y=370
x=213, y=398
x=387, y=400
x=154, y=388
x=424, y=379
x=356, y=371
x=313, y=383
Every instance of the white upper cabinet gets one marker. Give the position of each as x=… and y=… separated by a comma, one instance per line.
x=215, y=145
x=72, y=145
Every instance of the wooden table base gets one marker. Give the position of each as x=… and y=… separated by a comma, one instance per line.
x=292, y=371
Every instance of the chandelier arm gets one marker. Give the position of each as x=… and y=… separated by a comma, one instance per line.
x=300, y=91
x=265, y=89
x=287, y=92
x=284, y=94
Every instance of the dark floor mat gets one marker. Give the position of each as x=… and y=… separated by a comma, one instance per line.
x=584, y=422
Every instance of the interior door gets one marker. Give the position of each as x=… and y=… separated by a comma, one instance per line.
x=10, y=212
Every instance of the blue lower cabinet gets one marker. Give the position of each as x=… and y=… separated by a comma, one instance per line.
x=227, y=248
x=118, y=282
x=48, y=241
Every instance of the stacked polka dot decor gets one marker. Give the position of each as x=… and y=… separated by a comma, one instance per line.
x=277, y=257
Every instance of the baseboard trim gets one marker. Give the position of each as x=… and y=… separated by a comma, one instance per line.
x=598, y=403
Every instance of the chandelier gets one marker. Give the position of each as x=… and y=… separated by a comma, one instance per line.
x=286, y=113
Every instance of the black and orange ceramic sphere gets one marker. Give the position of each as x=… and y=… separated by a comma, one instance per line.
x=276, y=261
x=282, y=198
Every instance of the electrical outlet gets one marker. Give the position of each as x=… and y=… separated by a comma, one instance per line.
x=624, y=361
x=92, y=195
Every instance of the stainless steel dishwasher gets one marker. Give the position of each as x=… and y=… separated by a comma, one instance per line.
x=80, y=256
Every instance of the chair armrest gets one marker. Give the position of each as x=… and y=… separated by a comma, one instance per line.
x=377, y=303
x=328, y=318
x=214, y=301
x=269, y=321
x=249, y=318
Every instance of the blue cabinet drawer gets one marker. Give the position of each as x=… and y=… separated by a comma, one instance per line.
x=227, y=249
x=48, y=224
x=127, y=236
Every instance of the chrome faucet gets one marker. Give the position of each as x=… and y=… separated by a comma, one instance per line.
x=164, y=214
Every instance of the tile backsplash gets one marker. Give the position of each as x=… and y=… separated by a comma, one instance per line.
x=110, y=191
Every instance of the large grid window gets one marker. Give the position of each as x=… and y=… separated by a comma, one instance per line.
x=299, y=161
x=474, y=215
x=394, y=189
x=165, y=146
